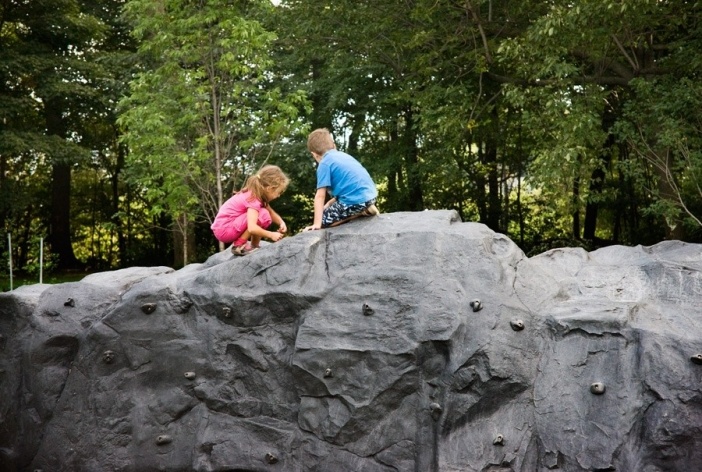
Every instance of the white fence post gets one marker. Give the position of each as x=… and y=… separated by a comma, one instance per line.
x=9, y=252
x=41, y=260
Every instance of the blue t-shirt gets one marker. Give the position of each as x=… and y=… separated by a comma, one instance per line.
x=347, y=179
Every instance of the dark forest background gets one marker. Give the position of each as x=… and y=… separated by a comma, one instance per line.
x=125, y=124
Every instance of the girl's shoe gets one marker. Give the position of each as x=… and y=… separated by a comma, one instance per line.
x=243, y=250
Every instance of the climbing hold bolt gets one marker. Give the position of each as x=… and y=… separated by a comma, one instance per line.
x=270, y=458
x=367, y=310
x=499, y=440
x=328, y=373
x=108, y=357
x=435, y=410
x=69, y=302
x=227, y=312
x=189, y=375
x=697, y=359
x=476, y=305
x=148, y=308
x=598, y=388
x=517, y=325
x=163, y=439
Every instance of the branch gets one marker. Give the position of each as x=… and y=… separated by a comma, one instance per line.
x=469, y=7
x=631, y=61
x=503, y=79
x=614, y=66
x=662, y=165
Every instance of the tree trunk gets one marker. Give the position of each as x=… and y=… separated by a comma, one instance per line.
x=494, y=209
x=592, y=207
x=673, y=228
x=60, y=229
x=480, y=187
x=121, y=239
x=183, y=242
x=60, y=220
x=597, y=179
x=3, y=206
x=414, y=178
x=576, y=205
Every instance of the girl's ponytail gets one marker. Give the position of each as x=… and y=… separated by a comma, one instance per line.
x=268, y=176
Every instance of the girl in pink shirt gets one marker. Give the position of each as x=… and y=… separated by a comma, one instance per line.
x=248, y=214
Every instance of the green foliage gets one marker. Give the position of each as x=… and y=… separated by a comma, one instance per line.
x=548, y=121
x=205, y=111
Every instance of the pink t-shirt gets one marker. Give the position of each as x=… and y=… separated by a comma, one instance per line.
x=230, y=214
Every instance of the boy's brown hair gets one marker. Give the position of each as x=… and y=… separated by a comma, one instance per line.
x=320, y=141
x=268, y=176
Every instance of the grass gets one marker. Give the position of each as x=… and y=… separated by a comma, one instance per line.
x=29, y=279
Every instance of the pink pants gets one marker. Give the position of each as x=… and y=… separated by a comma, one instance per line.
x=231, y=233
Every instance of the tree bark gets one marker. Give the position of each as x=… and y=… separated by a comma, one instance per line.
x=414, y=179
x=60, y=221
x=597, y=179
x=494, y=208
x=121, y=239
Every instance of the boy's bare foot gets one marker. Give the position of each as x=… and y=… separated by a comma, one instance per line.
x=371, y=210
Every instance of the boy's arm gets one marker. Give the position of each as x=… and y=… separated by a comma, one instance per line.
x=319, y=199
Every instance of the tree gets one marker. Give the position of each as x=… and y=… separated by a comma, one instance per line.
x=202, y=113
x=45, y=44
x=613, y=53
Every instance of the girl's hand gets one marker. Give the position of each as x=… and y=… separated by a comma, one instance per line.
x=275, y=237
x=282, y=228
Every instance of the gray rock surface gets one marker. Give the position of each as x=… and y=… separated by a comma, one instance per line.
x=404, y=342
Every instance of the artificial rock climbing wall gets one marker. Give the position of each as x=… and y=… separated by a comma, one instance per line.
x=403, y=342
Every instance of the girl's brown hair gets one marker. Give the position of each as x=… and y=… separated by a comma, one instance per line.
x=268, y=176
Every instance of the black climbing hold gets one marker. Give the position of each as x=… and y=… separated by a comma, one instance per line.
x=328, y=373
x=270, y=458
x=148, y=308
x=53, y=313
x=499, y=440
x=697, y=359
x=517, y=325
x=163, y=439
x=367, y=310
x=189, y=375
x=598, y=388
x=69, y=302
x=108, y=357
x=476, y=305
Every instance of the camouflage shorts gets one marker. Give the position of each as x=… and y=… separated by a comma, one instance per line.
x=337, y=211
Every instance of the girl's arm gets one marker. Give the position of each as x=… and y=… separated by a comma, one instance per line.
x=275, y=217
x=256, y=230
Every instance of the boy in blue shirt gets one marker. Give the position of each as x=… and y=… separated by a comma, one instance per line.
x=351, y=187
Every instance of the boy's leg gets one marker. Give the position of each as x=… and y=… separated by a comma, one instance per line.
x=338, y=213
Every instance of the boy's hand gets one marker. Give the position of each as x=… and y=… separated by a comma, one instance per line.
x=310, y=228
